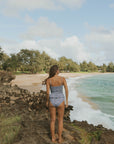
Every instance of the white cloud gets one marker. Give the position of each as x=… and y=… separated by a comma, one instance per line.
x=43, y=29
x=111, y=5
x=29, y=19
x=72, y=3
x=70, y=47
x=98, y=48
x=13, y=7
x=4, y=40
x=100, y=43
x=75, y=49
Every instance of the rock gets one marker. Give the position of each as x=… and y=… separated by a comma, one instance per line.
x=12, y=102
x=7, y=99
x=13, y=94
x=6, y=77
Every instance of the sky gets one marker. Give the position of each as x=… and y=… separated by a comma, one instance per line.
x=77, y=29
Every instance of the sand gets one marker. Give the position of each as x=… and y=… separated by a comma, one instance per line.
x=33, y=82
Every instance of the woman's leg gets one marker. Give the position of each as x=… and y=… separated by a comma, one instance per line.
x=60, y=110
x=52, y=121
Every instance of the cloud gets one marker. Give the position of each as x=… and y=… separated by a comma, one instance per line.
x=43, y=28
x=28, y=19
x=72, y=3
x=4, y=40
x=111, y=5
x=100, y=43
x=70, y=47
x=11, y=7
x=75, y=49
x=98, y=46
x=14, y=7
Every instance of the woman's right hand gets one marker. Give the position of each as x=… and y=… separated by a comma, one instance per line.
x=66, y=105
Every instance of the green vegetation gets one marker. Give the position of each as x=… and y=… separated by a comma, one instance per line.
x=95, y=135
x=32, y=61
x=9, y=128
x=87, y=137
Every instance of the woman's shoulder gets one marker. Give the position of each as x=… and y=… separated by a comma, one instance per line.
x=62, y=77
x=48, y=80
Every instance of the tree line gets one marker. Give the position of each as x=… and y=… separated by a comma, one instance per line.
x=32, y=61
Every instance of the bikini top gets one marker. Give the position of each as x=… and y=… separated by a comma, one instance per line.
x=58, y=89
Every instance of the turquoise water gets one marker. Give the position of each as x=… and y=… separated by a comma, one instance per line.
x=100, y=90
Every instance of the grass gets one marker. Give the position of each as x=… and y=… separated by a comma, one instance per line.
x=41, y=72
x=86, y=138
x=22, y=72
x=28, y=72
x=9, y=128
x=95, y=135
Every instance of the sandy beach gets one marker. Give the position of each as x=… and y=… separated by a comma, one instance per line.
x=33, y=82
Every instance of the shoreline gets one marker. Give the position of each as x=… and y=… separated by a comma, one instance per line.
x=33, y=82
x=83, y=97
x=93, y=107
x=86, y=99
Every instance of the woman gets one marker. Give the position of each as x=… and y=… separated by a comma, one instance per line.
x=55, y=100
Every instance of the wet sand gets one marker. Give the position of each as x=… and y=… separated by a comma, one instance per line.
x=87, y=100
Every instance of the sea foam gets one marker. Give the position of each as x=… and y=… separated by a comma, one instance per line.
x=83, y=111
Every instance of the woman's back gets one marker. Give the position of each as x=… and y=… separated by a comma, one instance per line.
x=56, y=87
x=56, y=81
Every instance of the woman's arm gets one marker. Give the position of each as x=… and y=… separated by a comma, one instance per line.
x=66, y=91
x=47, y=91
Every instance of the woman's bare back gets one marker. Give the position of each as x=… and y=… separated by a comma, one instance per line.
x=56, y=81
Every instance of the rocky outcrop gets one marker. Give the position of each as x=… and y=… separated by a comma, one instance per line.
x=6, y=77
x=35, y=120
x=10, y=95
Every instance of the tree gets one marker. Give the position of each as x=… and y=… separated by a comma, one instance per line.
x=12, y=63
x=84, y=66
x=68, y=65
x=3, y=58
x=92, y=67
x=1, y=53
x=63, y=63
x=29, y=60
x=110, y=67
x=103, y=68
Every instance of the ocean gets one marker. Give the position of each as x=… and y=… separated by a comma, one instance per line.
x=92, y=98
